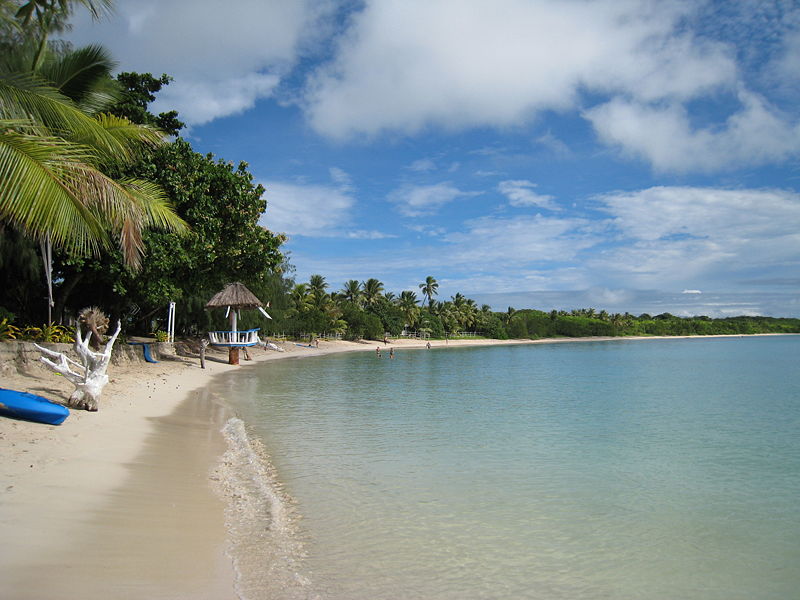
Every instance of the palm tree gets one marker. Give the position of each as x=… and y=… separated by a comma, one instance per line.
x=352, y=292
x=372, y=291
x=42, y=17
x=509, y=314
x=55, y=152
x=408, y=306
x=300, y=297
x=317, y=284
x=429, y=289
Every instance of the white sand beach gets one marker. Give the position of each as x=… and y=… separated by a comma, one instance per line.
x=119, y=503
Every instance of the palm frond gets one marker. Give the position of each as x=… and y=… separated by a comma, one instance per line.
x=25, y=96
x=84, y=76
x=37, y=191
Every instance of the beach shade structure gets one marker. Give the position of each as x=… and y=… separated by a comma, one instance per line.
x=233, y=298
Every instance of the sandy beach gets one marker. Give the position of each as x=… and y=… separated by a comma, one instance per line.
x=120, y=503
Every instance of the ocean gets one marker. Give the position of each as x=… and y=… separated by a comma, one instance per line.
x=629, y=469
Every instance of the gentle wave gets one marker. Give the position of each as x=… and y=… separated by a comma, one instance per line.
x=264, y=545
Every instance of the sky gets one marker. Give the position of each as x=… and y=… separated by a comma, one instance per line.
x=626, y=155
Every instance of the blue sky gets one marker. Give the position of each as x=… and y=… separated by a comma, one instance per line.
x=628, y=155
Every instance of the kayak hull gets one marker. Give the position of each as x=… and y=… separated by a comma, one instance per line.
x=30, y=407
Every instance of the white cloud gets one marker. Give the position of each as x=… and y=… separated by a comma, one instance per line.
x=368, y=235
x=419, y=200
x=309, y=210
x=664, y=136
x=497, y=243
x=223, y=57
x=408, y=64
x=675, y=235
x=341, y=178
x=520, y=193
x=422, y=165
x=555, y=145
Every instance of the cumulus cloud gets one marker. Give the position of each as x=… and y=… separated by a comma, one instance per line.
x=664, y=136
x=223, y=58
x=521, y=193
x=408, y=64
x=318, y=210
x=419, y=200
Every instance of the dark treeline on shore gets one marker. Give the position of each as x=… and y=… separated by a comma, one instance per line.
x=102, y=203
x=363, y=310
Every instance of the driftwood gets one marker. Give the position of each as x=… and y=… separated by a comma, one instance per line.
x=90, y=377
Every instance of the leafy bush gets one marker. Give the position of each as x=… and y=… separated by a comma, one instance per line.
x=8, y=331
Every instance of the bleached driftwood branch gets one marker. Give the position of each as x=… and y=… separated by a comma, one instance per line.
x=90, y=377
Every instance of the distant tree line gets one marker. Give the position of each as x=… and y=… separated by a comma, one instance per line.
x=364, y=310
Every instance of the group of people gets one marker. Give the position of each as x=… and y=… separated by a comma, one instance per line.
x=391, y=350
x=378, y=352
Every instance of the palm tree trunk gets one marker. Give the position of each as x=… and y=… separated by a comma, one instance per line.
x=47, y=260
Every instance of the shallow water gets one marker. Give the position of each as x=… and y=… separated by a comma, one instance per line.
x=625, y=469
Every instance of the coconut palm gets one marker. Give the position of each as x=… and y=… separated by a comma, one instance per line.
x=55, y=152
x=408, y=306
x=58, y=141
x=300, y=296
x=352, y=292
x=429, y=289
x=372, y=291
x=40, y=18
x=317, y=284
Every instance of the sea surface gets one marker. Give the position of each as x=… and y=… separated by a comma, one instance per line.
x=652, y=469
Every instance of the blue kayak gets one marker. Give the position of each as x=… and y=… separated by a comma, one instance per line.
x=22, y=405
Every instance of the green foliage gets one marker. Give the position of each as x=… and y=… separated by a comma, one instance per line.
x=390, y=315
x=47, y=333
x=518, y=328
x=161, y=335
x=362, y=324
x=7, y=330
x=222, y=206
x=139, y=90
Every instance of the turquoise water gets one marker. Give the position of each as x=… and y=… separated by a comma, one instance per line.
x=622, y=470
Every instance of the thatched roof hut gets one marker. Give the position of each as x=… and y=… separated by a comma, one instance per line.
x=235, y=295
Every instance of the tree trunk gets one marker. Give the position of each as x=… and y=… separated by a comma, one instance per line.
x=91, y=377
x=233, y=356
x=63, y=295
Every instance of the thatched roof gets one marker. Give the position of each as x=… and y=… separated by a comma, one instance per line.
x=235, y=295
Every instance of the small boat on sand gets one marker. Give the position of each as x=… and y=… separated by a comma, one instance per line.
x=30, y=407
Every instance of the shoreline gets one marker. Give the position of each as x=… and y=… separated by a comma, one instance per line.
x=120, y=503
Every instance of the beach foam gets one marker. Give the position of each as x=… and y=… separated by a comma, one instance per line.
x=264, y=544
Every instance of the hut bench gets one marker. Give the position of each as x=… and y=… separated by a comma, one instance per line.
x=233, y=339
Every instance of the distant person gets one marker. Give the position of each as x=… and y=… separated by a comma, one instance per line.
x=378, y=351
x=385, y=341
x=428, y=345
x=391, y=352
